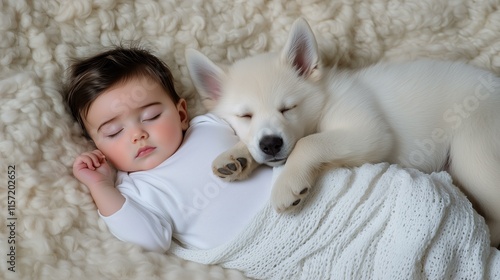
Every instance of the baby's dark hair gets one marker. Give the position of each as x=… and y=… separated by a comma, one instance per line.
x=90, y=77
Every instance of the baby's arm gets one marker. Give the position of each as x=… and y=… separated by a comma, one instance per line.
x=135, y=224
x=126, y=219
x=92, y=169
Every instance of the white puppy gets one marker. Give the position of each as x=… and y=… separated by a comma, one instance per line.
x=430, y=115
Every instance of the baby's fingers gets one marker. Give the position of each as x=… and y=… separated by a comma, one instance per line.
x=97, y=157
x=85, y=161
x=91, y=160
x=99, y=154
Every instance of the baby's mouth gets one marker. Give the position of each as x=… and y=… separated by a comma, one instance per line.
x=144, y=151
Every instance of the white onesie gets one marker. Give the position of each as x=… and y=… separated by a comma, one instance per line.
x=182, y=199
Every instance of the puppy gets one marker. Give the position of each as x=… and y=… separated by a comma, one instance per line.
x=429, y=115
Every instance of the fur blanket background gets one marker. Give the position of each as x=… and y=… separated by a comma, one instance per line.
x=52, y=218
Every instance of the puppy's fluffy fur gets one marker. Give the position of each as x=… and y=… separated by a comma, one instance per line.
x=430, y=115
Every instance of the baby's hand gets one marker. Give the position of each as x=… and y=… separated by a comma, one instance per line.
x=92, y=169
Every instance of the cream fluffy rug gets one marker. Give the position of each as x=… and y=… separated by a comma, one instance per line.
x=54, y=223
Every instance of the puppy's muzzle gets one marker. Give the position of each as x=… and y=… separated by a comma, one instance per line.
x=271, y=145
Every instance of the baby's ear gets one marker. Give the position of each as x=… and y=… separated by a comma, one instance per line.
x=206, y=76
x=183, y=113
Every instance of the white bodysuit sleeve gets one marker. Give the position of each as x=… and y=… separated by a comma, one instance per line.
x=135, y=224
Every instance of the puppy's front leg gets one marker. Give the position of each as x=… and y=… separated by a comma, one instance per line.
x=332, y=148
x=234, y=164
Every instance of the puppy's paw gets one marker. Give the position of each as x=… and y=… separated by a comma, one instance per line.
x=289, y=191
x=231, y=168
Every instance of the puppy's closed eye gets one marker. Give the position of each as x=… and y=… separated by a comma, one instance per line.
x=287, y=108
x=245, y=115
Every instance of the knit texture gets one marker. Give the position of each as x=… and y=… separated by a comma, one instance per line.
x=373, y=222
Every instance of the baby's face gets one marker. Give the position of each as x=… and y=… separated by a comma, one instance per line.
x=136, y=125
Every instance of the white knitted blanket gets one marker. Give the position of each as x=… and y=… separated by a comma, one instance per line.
x=372, y=222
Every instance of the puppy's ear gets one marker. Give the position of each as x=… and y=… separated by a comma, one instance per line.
x=301, y=51
x=206, y=76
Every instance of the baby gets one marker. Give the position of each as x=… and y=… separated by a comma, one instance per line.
x=163, y=187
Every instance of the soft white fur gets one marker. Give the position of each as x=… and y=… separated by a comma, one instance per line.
x=427, y=114
x=58, y=233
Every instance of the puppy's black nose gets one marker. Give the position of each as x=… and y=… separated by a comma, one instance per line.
x=271, y=145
